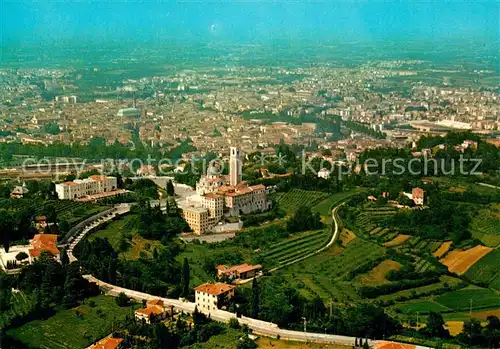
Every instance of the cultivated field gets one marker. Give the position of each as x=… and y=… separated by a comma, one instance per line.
x=460, y=261
x=486, y=270
x=460, y=300
x=324, y=274
x=74, y=328
x=398, y=240
x=484, y=225
x=376, y=276
x=445, y=246
x=295, y=198
x=71, y=211
x=294, y=248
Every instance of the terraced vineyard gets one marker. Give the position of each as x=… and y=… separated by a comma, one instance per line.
x=288, y=250
x=295, y=198
x=324, y=274
x=369, y=219
x=484, y=225
x=71, y=211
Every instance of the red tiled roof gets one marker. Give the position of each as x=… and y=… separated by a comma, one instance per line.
x=43, y=242
x=215, y=289
x=107, y=343
x=212, y=196
x=150, y=310
x=98, y=177
x=242, y=268
x=393, y=345
x=155, y=302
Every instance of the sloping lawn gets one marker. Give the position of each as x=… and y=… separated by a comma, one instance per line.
x=74, y=328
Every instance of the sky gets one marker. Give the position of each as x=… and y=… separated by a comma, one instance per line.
x=247, y=21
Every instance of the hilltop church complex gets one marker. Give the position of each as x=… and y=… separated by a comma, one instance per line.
x=223, y=196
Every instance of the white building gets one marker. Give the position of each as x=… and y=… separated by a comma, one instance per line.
x=235, y=168
x=324, y=173
x=85, y=187
x=212, y=296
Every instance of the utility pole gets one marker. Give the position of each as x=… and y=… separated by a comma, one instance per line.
x=470, y=309
x=418, y=313
x=305, y=324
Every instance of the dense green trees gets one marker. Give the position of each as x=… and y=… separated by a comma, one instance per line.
x=185, y=277
x=144, y=188
x=255, y=302
x=280, y=303
x=304, y=219
x=435, y=326
x=170, y=188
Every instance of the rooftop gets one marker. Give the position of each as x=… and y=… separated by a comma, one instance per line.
x=215, y=289
x=107, y=343
x=43, y=242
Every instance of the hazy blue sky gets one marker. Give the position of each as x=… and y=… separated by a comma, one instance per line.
x=27, y=20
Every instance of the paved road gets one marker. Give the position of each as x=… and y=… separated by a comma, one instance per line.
x=489, y=185
x=257, y=326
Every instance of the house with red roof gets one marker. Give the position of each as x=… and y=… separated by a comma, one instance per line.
x=212, y=296
x=108, y=343
x=43, y=243
x=154, y=311
x=242, y=271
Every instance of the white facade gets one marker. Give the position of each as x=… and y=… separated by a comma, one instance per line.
x=234, y=166
x=84, y=187
x=213, y=296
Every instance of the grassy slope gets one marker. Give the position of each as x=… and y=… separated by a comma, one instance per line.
x=66, y=330
x=126, y=225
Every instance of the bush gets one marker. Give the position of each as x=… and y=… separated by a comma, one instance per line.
x=234, y=323
x=122, y=300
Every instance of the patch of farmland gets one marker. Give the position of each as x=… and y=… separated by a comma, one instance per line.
x=374, y=231
x=486, y=270
x=484, y=225
x=295, y=198
x=421, y=306
x=382, y=232
x=445, y=246
x=417, y=291
x=376, y=276
x=398, y=240
x=461, y=299
x=346, y=236
x=459, y=261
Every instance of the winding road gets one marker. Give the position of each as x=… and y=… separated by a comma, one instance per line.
x=258, y=327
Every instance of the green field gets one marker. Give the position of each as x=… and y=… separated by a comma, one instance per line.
x=421, y=307
x=460, y=300
x=484, y=225
x=325, y=206
x=486, y=270
x=226, y=340
x=422, y=290
x=74, y=328
x=296, y=247
x=323, y=274
x=19, y=304
x=125, y=228
x=295, y=198
x=71, y=211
